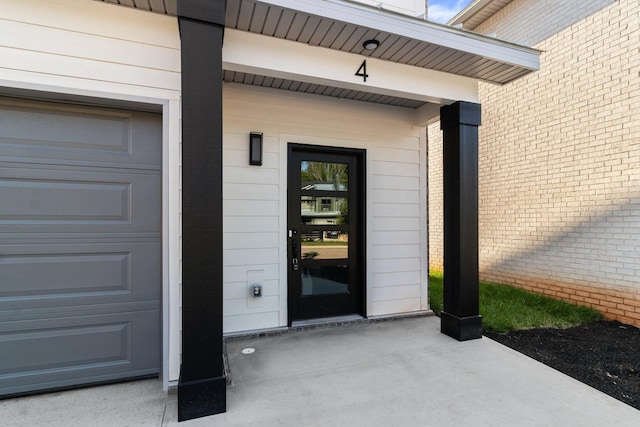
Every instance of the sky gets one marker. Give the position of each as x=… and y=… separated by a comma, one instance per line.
x=443, y=10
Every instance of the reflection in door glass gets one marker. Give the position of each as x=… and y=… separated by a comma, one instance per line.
x=325, y=245
x=324, y=176
x=324, y=210
x=330, y=279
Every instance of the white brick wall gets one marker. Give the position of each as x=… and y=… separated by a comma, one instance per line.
x=560, y=168
x=528, y=22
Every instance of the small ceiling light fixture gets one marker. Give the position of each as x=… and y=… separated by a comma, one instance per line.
x=371, y=44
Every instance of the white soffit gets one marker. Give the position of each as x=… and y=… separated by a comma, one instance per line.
x=477, y=12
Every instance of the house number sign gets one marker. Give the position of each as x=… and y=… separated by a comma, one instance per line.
x=362, y=71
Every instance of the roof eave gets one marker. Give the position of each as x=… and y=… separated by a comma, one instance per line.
x=465, y=17
x=428, y=45
x=416, y=28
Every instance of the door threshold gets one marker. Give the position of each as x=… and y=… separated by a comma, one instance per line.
x=324, y=320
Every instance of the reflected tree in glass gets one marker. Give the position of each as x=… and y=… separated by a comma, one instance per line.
x=343, y=217
x=325, y=173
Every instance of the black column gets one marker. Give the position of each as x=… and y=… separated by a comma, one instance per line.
x=460, y=317
x=202, y=386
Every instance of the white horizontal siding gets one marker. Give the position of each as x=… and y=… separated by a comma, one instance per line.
x=395, y=182
x=83, y=45
x=391, y=168
x=241, y=158
x=239, y=207
x=88, y=17
x=240, y=290
x=255, y=191
x=396, y=210
x=395, y=265
x=242, y=256
x=250, y=224
x=255, y=198
x=239, y=273
x=394, y=293
x=251, y=321
x=406, y=305
x=31, y=37
x=258, y=240
x=396, y=224
x=395, y=278
x=388, y=251
x=394, y=238
x=394, y=196
x=239, y=306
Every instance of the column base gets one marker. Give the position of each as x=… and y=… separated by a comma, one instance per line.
x=461, y=328
x=201, y=398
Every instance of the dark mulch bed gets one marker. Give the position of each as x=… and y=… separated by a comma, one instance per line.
x=604, y=355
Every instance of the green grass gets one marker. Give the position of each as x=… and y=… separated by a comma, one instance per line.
x=504, y=308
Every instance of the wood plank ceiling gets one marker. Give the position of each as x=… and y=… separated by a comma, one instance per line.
x=275, y=21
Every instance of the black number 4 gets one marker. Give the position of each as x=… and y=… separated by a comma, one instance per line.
x=362, y=71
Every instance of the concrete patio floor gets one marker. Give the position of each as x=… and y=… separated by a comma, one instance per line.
x=395, y=373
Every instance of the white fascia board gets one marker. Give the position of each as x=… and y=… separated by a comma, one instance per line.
x=426, y=115
x=272, y=57
x=472, y=8
x=406, y=7
x=418, y=29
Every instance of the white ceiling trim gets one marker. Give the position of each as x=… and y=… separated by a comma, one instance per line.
x=281, y=59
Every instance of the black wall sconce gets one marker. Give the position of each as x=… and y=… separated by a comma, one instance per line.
x=255, y=148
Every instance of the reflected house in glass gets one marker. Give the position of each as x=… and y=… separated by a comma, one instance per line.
x=323, y=210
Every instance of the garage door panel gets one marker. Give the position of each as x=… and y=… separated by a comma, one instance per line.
x=23, y=355
x=80, y=245
x=79, y=349
x=69, y=274
x=48, y=198
x=53, y=275
x=68, y=134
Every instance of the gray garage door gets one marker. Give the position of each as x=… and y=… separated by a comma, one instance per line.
x=80, y=245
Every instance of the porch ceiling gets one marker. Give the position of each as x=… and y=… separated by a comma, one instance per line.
x=296, y=86
x=345, y=25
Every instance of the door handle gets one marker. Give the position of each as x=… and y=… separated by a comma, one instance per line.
x=294, y=250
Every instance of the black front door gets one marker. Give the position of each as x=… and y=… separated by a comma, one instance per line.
x=325, y=232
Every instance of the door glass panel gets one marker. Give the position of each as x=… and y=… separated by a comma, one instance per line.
x=325, y=245
x=324, y=176
x=329, y=279
x=324, y=210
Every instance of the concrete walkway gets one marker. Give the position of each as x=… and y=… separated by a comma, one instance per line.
x=397, y=373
